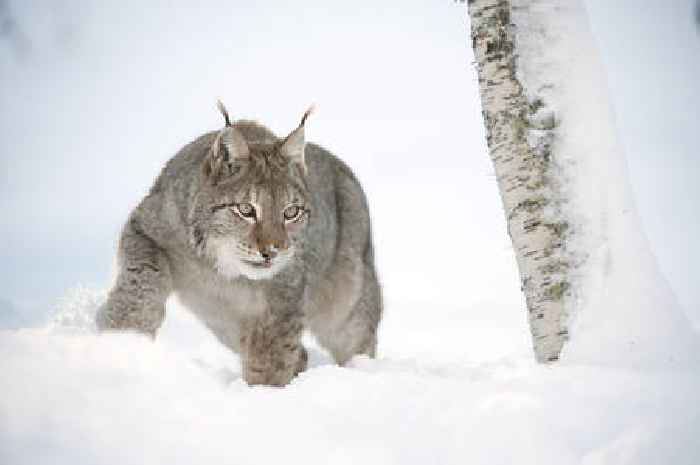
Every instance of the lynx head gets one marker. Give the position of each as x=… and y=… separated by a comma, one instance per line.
x=253, y=204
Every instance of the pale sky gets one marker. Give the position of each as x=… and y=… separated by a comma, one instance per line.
x=96, y=97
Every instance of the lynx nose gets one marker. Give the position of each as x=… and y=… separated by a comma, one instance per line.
x=269, y=252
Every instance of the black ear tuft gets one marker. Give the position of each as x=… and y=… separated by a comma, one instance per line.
x=307, y=113
x=224, y=111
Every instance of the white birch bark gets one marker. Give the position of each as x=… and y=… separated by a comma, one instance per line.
x=520, y=130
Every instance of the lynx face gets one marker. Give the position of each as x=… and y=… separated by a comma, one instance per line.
x=253, y=206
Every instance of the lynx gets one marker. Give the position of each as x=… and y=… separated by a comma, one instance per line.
x=260, y=237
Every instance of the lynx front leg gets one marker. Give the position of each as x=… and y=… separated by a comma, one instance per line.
x=272, y=352
x=137, y=301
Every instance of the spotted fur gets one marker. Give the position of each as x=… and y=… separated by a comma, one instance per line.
x=256, y=282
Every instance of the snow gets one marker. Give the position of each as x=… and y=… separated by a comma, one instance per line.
x=455, y=381
x=72, y=396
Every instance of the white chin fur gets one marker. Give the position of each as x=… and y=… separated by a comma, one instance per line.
x=229, y=264
x=259, y=273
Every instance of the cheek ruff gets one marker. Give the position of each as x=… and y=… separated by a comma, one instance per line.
x=225, y=257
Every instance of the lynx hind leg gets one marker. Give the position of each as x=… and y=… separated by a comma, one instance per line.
x=137, y=300
x=352, y=331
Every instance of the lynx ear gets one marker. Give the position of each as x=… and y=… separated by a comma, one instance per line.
x=228, y=146
x=294, y=144
x=234, y=144
x=231, y=138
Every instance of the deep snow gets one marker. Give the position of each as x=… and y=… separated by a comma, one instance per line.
x=436, y=394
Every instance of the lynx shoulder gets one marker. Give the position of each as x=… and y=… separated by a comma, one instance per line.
x=260, y=237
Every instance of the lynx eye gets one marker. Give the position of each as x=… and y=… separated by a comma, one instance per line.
x=245, y=210
x=292, y=212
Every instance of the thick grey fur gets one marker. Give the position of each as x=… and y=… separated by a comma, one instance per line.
x=316, y=272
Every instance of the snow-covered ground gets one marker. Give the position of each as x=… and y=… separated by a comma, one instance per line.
x=451, y=389
x=455, y=381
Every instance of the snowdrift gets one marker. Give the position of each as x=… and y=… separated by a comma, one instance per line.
x=70, y=396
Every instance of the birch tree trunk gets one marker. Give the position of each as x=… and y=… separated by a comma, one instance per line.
x=520, y=130
x=586, y=267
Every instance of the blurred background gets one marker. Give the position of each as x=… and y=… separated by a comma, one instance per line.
x=96, y=96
